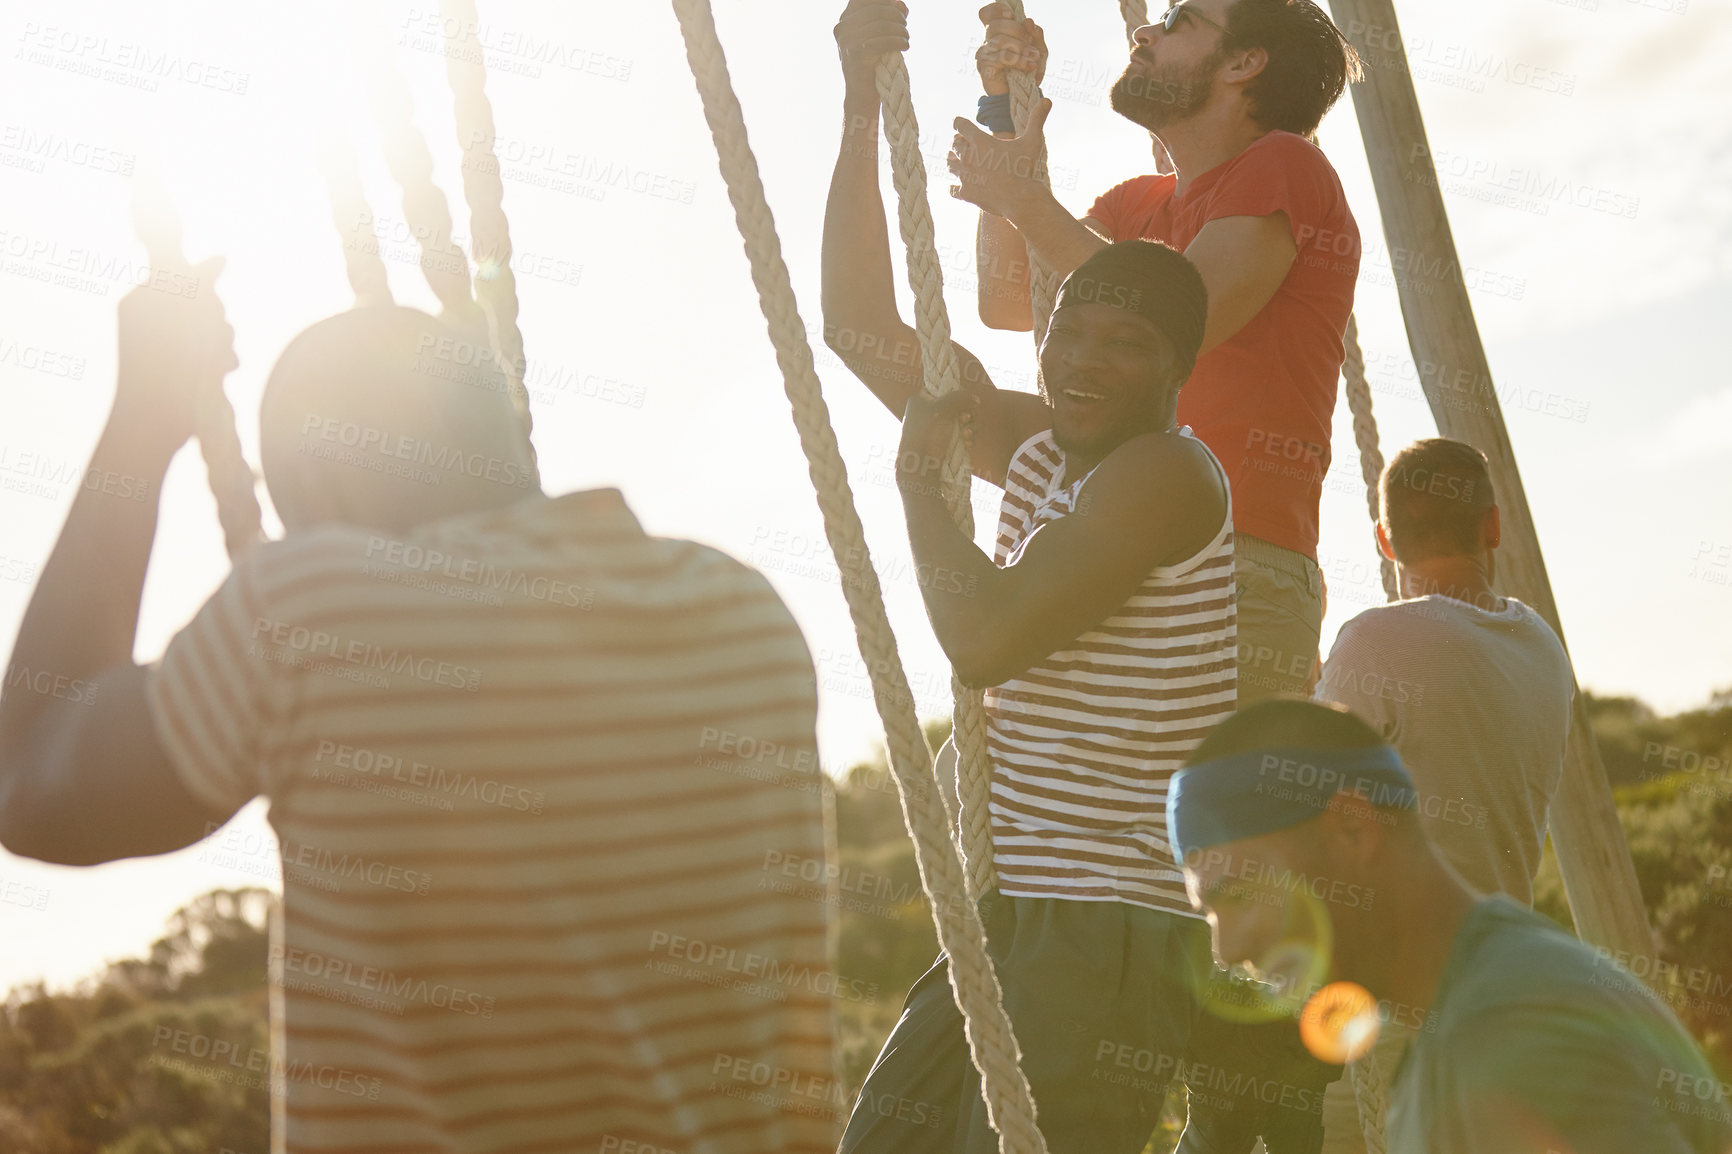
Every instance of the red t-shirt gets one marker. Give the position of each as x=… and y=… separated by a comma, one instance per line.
x=1264, y=400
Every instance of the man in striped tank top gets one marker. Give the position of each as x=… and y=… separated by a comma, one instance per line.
x=1103, y=625
x=536, y=776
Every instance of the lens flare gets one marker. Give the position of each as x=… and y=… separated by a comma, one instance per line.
x=1340, y=1023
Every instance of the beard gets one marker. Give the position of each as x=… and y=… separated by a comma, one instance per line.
x=1154, y=98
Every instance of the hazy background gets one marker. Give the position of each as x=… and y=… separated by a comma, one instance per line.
x=1584, y=149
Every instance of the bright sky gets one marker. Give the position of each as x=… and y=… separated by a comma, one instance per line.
x=1584, y=152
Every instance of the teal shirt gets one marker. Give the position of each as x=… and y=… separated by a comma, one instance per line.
x=1541, y=1046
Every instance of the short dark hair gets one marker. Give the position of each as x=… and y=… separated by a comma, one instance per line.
x=1310, y=61
x=1286, y=720
x=1153, y=280
x=1433, y=497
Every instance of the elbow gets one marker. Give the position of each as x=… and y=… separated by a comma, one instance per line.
x=982, y=664
x=24, y=827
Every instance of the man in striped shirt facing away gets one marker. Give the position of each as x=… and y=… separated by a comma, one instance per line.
x=534, y=773
x=1103, y=625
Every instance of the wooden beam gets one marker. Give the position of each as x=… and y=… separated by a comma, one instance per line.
x=1592, y=853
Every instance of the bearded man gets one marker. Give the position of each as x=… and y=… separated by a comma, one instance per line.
x=1230, y=90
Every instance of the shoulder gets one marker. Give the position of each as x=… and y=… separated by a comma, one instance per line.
x=1286, y=150
x=308, y=559
x=1145, y=187
x=1371, y=628
x=1519, y=960
x=1163, y=470
x=1541, y=630
x=1125, y=207
x=1168, y=457
x=1282, y=165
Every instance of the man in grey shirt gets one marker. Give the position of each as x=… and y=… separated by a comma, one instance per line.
x=1473, y=689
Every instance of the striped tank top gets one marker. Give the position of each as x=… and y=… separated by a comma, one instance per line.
x=1084, y=742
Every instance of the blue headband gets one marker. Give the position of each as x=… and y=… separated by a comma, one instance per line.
x=1264, y=790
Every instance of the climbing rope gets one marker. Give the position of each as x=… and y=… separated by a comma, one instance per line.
x=232, y=481
x=1365, y=436
x=354, y=221
x=1136, y=14
x=943, y=375
x=1371, y=1096
x=992, y=1045
x=425, y=209
x=495, y=285
x=1024, y=97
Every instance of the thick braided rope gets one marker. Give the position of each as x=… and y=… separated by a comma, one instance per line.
x=1371, y=1095
x=992, y=1045
x=425, y=208
x=1365, y=436
x=943, y=375
x=231, y=478
x=232, y=481
x=1042, y=283
x=1136, y=14
x=495, y=284
x=354, y=221
x=1370, y=1089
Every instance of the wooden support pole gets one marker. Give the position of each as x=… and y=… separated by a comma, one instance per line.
x=1592, y=853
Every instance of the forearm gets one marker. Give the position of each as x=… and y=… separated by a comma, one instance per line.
x=957, y=581
x=1055, y=238
x=861, y=322
x=1001, y=268
x=83, y=614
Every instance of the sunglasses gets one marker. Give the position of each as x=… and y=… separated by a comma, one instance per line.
x=1170, y=18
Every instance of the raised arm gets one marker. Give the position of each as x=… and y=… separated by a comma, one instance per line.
x=861, y=321
x=83, y=777
x=1243, y=260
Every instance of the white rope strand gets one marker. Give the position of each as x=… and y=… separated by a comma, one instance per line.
x=992, y=1045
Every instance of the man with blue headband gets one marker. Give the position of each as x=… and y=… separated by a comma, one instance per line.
x=1301, y=843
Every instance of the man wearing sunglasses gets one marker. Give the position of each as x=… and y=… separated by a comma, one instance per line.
x=1228, y=90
